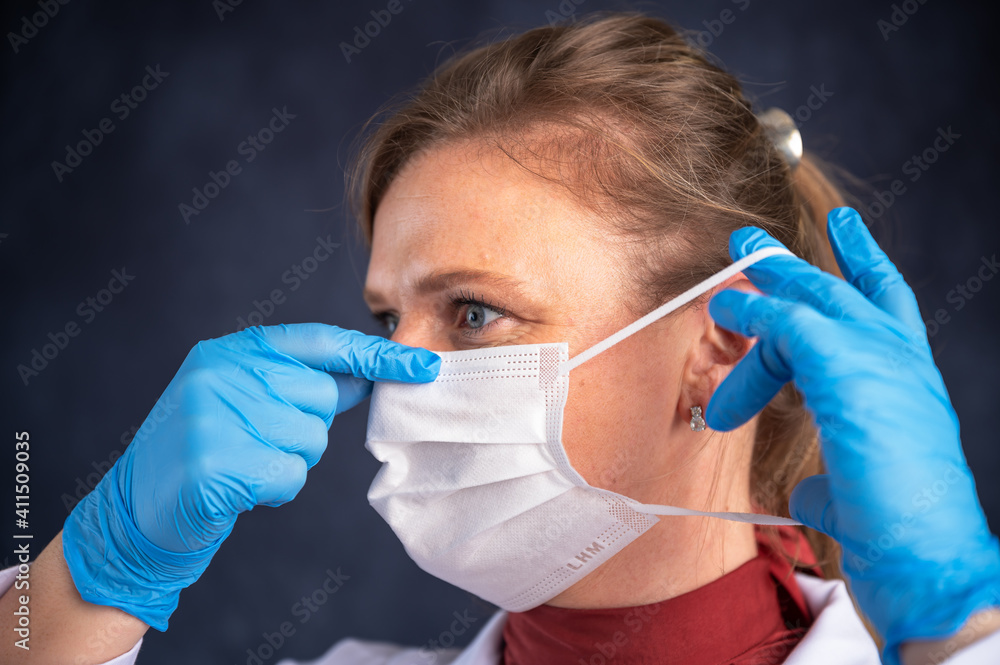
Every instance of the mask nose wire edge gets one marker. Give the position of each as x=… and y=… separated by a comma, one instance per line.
x=661, y=311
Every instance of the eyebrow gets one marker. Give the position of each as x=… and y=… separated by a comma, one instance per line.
x=436, y=282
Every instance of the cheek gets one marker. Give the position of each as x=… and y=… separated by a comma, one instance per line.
x=619, y=411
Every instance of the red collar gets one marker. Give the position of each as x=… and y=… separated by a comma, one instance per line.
x=753, y=615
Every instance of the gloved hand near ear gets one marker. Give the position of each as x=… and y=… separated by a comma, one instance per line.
x=248, y=416
x=898, y=494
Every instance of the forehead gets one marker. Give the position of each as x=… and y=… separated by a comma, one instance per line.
x=467, y=205
x=467, y=191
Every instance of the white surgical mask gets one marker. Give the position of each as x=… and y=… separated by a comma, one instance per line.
x=476, y=483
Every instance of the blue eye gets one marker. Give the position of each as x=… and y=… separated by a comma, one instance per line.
x=477, y=315
x=387, y=321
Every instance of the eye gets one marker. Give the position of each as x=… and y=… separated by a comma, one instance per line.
x=387, y=321
x=478, y=315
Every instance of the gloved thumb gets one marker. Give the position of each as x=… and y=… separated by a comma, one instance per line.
x=812, y=504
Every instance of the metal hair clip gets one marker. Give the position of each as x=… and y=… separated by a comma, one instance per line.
x=781, y=129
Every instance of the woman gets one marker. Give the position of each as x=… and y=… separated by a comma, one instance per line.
x=536, y=197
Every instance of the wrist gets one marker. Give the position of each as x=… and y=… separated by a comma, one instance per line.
x=933, y=652
x=113, y=564
x=924, y=589
x=937, y=625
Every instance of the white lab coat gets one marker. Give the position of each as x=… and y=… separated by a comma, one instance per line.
x=836, y=637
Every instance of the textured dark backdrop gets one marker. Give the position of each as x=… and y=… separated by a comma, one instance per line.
x=61, y=240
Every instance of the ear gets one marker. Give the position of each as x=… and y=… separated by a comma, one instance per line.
x=716, y=351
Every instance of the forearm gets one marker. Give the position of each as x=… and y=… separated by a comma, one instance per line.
x=934, y=652
x=64, y=627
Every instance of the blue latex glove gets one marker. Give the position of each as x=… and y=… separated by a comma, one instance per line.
x=898, y=494
x=248, y=416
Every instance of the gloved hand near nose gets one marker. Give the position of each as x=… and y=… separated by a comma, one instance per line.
x=898, y=494
x=248, y=416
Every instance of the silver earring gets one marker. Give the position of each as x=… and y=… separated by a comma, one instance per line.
x=697, y=422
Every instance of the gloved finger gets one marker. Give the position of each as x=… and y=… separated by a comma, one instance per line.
x=308, y=390
x=334, y=349
x=298, y=433
x=753, y=315
x=795, y=279
x=313, y=391
x=352, y=391
x=812, y=504
x=867, y=267
x=747, y=390
x=790, y=337
x=276, y=477
x=254, y=424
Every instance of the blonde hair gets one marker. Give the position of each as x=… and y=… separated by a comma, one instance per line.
x=645, y=130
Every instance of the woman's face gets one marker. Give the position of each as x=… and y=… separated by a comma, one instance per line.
x=470, y=250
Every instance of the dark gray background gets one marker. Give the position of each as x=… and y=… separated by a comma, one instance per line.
x=120, y=208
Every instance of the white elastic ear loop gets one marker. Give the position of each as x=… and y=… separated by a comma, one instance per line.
x=669, y=306
x=656, y=314
x=752, y=518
